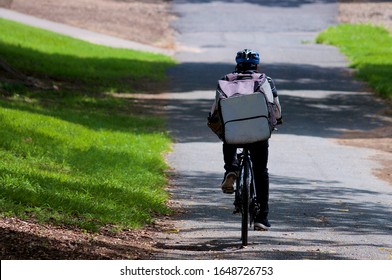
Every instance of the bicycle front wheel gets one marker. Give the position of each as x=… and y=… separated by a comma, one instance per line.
x=245, y=182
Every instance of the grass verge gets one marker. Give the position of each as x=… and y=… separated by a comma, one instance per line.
x=369, y=49
x=47, y=55
x=72, y=154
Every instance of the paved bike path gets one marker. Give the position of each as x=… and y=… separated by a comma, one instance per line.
x=325, y=201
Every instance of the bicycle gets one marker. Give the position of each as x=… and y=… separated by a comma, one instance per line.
x=245, y=201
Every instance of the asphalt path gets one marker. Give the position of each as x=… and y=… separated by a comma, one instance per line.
x=325, y=202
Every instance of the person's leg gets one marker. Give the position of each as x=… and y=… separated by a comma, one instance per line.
x=259, y=156
x=230, y=158
x=231, y=167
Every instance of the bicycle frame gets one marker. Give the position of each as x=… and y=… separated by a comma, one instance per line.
x=245, y=195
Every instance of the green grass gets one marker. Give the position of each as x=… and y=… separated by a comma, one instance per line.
x=369, y=49
x=77, y=156
x=44, y=54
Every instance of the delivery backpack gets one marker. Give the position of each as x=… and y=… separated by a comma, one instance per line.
x=246, y=108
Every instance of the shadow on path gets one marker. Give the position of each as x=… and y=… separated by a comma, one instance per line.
x=305, y=207
x=317, y=101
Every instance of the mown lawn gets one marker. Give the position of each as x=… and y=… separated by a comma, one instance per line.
x=70, y=153
x=369, y=50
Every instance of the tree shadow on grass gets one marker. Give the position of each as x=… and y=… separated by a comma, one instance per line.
x=83, y=86
x=88, y=73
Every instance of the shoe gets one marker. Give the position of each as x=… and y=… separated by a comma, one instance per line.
x=227, y=185
x=262, y=224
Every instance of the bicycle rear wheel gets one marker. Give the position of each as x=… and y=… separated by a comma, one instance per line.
x=245, y=182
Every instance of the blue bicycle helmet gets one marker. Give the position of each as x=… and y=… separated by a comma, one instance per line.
x=247, y=56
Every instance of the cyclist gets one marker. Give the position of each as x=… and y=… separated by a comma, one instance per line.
x=247, y=62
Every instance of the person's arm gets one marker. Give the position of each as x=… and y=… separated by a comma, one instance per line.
x=276, y=100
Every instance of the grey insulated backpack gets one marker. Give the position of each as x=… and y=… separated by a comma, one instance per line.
x=246, y=108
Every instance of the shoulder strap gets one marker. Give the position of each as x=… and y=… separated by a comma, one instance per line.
x=231, y=77
x=245, y=76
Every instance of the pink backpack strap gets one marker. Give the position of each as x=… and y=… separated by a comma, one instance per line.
x=231, y=76
x=240, y=76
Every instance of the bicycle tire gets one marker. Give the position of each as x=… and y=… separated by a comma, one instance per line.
x=245, y=201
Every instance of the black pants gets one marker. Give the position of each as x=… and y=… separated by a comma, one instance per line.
x=259, y=157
